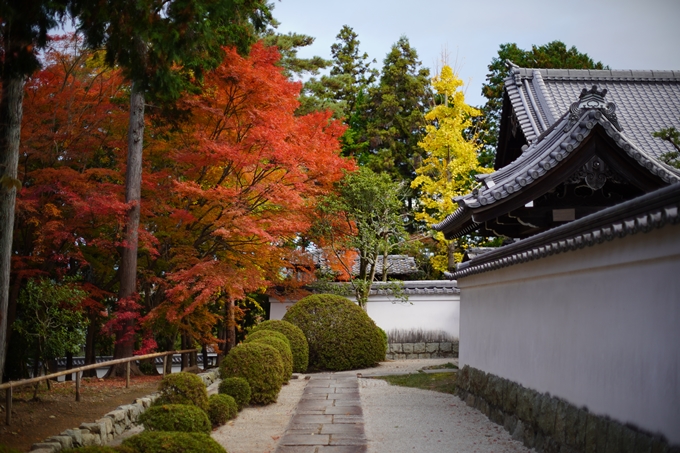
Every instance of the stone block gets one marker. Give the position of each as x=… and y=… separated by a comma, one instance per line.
x=431, y=347
x=64, y=441
x=470, y=400
x=484, y=406
x=46, y=446
x=659, y=445
x=119, y=427
x=643, y=443
x=107, y=425
x=145, y=402
x=525, y=404
x=494, y=391
x=539, y=441
x=561, y=422
x=445, y=347
x=134, y=412
x=407, y=348
x=528, y=436
x=510, y=397
x=627, y=440
x=478, y=380
x=90, y=439
x=75, y=435
x=400, y=356
x=614, y=434
x=424, y=355
x=419, y=348
x=546, y=416
x=509, y=423
x=518, y=432
x=595, y=434
x=550, y=445
x=389, y=356
x=496, y=415
x=117, y=415
x=580, y=430
x=463, y=380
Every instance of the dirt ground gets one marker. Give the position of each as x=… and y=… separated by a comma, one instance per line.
x=57, y=410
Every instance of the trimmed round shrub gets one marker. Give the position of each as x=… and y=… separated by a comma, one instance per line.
x=259, y=364
x=182, y=388
x=341, y=335
x=255, y=335
x=386, y=340
x=238, y=388
x=222, y=409
x=172, y=442
x=176, y=417
x=298, y=342
x=282, y=345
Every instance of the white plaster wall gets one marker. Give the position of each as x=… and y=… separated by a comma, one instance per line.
x=278, y=309
x=599, y=327
x=427, y=312
x=421, y=312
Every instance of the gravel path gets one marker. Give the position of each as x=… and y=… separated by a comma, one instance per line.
x=257, y=429
x=405, y=420
x=396, y=419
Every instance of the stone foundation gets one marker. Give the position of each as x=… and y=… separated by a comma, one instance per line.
x=108, y=427
x=549, y=424
x=402, y=351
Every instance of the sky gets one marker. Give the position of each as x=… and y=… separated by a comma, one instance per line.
x=624, y=34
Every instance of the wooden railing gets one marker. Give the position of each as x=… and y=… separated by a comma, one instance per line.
x=8, y=386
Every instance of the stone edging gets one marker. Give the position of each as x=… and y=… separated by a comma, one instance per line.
x=550, y=424
x=423, y=350
x=107, y=428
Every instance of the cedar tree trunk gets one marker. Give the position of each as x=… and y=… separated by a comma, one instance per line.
x=11, y=111
x=125, y=340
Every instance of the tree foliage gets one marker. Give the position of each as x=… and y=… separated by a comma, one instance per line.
x=396, y=113
x=51, y=319
x=450, y=161
x=363, y=222
x=554, y=54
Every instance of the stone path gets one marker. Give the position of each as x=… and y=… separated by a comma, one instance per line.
x=328, y=418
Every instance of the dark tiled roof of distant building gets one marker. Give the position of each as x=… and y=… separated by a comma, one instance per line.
x=396, y=265
x=418, y=287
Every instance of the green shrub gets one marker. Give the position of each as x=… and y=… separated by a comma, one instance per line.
x=298, y=342
x=385, y=338
x=176, y=417
x=6, y=449
x=259, y=364
x=172, y=442
x=256, y=334
x=238, y=388
x=222, y=409
x=281, y=345
x=341, y=335
x=182, y=388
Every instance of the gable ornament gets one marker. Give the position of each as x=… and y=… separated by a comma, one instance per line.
x=593, y=99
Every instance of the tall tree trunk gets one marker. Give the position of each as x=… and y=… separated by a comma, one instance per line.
x=90, y=353
x=11, y=111
x=125, y=340
x=69, y=366
x=204, y=356
x=231, y=326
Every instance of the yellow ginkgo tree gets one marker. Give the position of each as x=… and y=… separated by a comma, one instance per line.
x=451, y=158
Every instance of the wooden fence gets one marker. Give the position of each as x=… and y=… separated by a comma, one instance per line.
x=8, y=386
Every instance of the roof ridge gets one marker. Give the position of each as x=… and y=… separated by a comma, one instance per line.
x=638, y=75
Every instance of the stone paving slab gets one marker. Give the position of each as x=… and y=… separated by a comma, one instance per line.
x=327, y=419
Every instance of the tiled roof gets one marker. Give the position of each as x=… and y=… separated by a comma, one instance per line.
x=643, y=214
x=646, y=101
x=396, y=265
x=553, y=146
x=419, y=287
